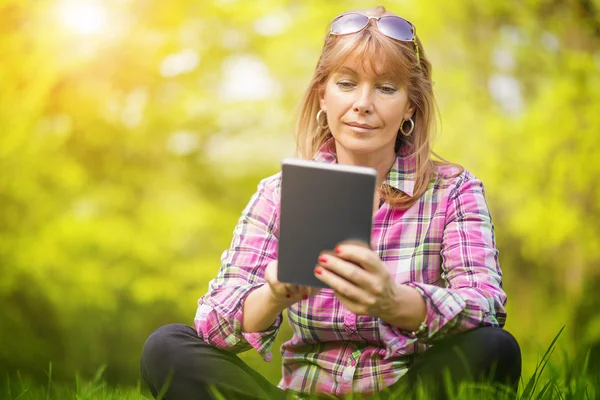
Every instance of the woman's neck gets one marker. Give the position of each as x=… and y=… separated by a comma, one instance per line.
x=381, y=163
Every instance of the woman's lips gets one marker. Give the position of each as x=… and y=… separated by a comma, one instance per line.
x=360, y=128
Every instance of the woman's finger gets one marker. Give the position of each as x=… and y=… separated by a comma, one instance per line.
x=360, y=255
x=304, y=292
x=352, y=305
x=341, y=285
x=347, y=270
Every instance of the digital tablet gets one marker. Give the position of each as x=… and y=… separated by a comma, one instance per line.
x=321, y=205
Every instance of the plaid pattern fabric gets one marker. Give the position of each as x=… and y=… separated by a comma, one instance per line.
x=443, y=246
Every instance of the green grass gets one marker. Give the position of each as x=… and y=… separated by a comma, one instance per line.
x=568, y=386
x=569, y=380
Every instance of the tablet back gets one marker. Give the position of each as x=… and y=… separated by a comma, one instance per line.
x=321, y=205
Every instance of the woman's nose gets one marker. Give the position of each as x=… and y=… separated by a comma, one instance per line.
x=363, y=103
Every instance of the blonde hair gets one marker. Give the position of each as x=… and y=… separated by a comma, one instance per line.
x=374, y=51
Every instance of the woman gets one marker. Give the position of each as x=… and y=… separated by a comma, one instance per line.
x=425, y=299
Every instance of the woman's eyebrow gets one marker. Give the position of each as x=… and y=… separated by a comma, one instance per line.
x=347, y=69
x=388, y=75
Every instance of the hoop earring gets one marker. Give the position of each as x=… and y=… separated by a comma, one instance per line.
x=412, y=127
x=325, y=125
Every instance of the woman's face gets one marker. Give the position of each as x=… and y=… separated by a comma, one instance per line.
x=364, y=110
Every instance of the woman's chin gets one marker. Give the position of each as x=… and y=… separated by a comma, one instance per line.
x=362, y=145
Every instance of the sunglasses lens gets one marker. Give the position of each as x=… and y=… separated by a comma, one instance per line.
x=349, y=23
x=396, y=28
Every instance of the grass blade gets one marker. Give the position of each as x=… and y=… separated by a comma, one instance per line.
x=543, y=391
x=531, y=385
x=49, y=381
x=165, y=386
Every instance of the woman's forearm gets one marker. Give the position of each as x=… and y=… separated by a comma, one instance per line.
x=260, y=310
x=411, y=309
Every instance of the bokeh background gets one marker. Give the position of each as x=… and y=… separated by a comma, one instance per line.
x=133, y=133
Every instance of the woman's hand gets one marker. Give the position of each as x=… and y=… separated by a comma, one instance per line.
x=360, y=280
x=284, y=293
x=263, y=305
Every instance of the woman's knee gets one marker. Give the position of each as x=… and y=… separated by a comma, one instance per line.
x=501, y=342
x=501, y=353
x=165, y=344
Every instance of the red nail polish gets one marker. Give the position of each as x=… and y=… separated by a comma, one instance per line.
x=323, y=259
x=305, y=297
x=318, y=271
x=337, y=250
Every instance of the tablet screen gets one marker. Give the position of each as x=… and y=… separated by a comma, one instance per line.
x=321, y=205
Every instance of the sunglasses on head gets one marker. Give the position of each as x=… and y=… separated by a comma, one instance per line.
x=391, y=26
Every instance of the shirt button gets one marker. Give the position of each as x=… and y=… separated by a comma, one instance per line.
x=348, y=374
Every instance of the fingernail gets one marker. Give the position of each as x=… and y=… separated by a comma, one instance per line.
x=337, y=250
x=323, y=259
x=305, y=297
x=288, y=295
x=318, y=271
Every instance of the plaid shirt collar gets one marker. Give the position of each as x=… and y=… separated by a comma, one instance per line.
x=402, y=174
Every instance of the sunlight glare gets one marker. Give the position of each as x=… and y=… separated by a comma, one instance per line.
x=83, y=17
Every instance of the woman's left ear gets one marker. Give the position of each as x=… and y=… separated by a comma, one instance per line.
x=322, y=98
x=410, y=112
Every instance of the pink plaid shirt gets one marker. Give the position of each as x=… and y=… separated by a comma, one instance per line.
x=443, y=246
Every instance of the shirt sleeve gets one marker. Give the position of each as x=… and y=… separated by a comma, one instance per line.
x=473, y=295
x=218, y=319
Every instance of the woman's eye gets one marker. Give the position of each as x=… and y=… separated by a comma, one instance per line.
x=346, y=84
x=388, y=89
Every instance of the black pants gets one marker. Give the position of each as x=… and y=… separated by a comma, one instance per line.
x=178, y=364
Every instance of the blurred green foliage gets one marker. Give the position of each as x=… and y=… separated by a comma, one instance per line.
x=132, y=134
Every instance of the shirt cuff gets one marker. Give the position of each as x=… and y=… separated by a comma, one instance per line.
x=442, y=306
x=223, y=329
x=397, y=343
x=261, y=341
